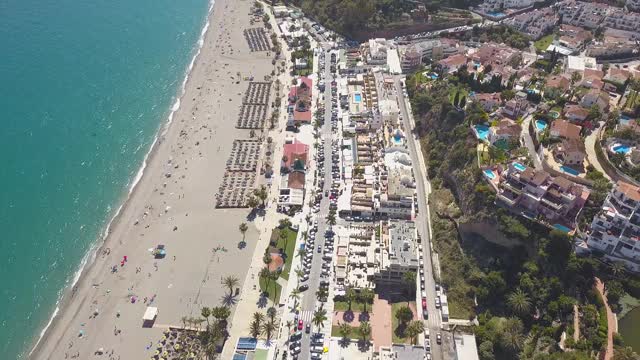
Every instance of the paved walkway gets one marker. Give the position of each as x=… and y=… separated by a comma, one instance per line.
x=381, y=324
x=590, y=148
x=612, y=325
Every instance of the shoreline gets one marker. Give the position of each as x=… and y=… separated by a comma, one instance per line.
x=91, y=261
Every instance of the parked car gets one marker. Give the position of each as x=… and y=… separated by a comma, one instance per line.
x=300, y=324
x=439, y=338
x=303, y=287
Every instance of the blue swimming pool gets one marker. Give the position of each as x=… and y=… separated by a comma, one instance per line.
x=482, y=131
x=490, y=174
x=357, y=97
x=569, y=170
x=621, y=149
x=624, y=120
x=497, y=14
x=433, y=76
x=562, y=228
x=541, y=125
x=519, y=166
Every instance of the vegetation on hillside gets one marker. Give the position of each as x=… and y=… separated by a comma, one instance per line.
x=349, y=16
x=525, y=294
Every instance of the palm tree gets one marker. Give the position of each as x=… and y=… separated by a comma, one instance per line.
x=366, y=297
x=295, y=294
x=253, y=202
x=230, y=282
x=274, y=275
x=261, y=194
x=184, y=320
x=617, y=268
x=243, y=230
x=271, y=313
x=322, y=294
x=409, y=280
x=331, y=218
x=268, y=328
x=404, y=314
x=350, y=296
x=302, y=253
x=206, y=312
x=319, y=317
x=512, y=338
x=345, y=330
x=283, y=237
x=284, y=223
x=414, y=329
x=365, y=330
x=519, y=302
x=255, y=328
x=265, y=275
x=221, y=313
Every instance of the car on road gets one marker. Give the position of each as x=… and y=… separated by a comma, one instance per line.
x=427, y=344
x=300, y=324
x=425, y=313
x=437, y=302
x=319, y=249
x=439, y=338
x=307, y=328
x=303, y=287
x=424, y=302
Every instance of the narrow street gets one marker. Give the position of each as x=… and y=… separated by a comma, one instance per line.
x=423, y=188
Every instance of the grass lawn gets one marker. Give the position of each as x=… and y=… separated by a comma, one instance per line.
x=355, y=306
x=308, y=69
x=273, y=287
x=398, y=338
x=289, y=248
x=544, y=42
x=353, y=333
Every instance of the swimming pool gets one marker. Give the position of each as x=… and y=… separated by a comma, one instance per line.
x=482, y=131
x=562, y=228
x=624, y=120
x=621, y=149
x=490, y=174
x=357, y=98
x=569, y=170
x=497, y=14
x=433, y=76
x=519, y=166
x=541, y=125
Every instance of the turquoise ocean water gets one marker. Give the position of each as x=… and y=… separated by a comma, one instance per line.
x=84, y=87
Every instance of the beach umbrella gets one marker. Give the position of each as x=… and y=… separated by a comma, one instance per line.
x=157, y=352
x=165, y=353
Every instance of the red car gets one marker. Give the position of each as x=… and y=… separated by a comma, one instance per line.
x=424, y=303
x=300, y=325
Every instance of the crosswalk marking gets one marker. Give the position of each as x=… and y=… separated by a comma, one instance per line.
x=306, y=316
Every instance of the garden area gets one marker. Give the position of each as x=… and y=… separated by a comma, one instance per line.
x=285, y=239
x=543, y=43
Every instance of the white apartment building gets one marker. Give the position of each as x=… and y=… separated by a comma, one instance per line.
x=377, y=54
x=398, y=251
x=615, y=231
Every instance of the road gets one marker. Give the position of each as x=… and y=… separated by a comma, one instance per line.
x=423, y=188
x=309, y=299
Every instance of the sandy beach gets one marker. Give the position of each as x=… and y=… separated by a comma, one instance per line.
x=175, y=210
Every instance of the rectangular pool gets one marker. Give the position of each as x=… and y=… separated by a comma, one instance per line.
x=569, y=170
x=562, y=228
x=357, y=98
x=519, y=166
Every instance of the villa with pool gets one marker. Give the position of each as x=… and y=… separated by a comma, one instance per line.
x=535, y=194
